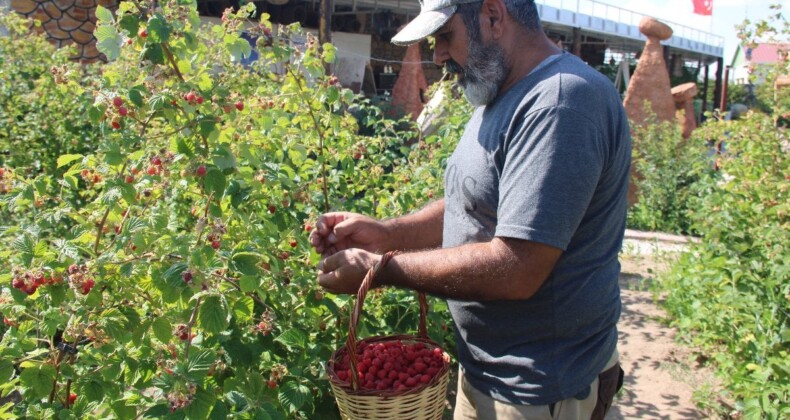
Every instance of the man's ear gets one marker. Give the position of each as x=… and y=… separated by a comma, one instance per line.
x=492, y=17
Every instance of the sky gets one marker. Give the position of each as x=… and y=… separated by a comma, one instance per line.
x=726, y=14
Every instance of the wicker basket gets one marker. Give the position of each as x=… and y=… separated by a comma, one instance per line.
x=425, y=401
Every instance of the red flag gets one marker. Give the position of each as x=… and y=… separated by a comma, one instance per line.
x=703, y=7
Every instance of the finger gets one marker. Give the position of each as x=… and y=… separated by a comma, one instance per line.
x=326, y=223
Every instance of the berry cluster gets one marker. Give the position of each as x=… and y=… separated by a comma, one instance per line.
x=182, y=332
x=266, y=324
x=178, y=399
x=5, y=181
x=79, y=278
x=29, y=281
x=159, y=163
x=393, y=365
x=90, y=177
x=214, y=237
x=193, y=98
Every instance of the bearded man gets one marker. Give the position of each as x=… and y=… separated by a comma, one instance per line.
x=524, y=245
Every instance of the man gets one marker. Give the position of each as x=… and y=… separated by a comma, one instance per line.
x=530, y=226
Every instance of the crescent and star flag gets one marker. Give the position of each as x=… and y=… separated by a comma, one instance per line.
x=703, y=7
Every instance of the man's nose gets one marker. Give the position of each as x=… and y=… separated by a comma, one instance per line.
x=440, y=53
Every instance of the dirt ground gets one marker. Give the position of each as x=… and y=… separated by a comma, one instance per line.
x=661, y=376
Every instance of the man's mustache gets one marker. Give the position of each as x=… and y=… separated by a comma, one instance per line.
x=453, y=68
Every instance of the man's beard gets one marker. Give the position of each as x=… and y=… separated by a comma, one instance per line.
x=484, y=73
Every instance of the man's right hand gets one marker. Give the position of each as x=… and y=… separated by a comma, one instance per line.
x=343, y=230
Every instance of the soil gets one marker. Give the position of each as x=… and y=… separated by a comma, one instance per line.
x=661, y=375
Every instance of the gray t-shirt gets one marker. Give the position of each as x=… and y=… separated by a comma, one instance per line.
x=548, y=162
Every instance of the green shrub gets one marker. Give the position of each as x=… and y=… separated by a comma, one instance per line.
x=669, y=169
x=730, y=295
x=44, y=100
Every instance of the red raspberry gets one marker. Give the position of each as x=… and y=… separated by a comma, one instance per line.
x=201, y=171
x=72, y=398
x=122, y=111
x=117, y=101
x=239, y=105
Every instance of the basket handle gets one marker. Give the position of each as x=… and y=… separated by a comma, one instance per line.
x=367, y=282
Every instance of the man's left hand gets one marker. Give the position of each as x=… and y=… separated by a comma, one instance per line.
x=343, y=272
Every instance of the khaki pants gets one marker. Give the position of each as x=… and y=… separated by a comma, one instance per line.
x=472, y=404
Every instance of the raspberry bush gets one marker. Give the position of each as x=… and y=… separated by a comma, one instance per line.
x=160, y=267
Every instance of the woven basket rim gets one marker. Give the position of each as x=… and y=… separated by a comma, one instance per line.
x=347, y=387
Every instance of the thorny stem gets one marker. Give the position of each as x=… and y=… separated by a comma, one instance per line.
x=100, y=228
x=191, y=323
x=205, y=217
x=321, y=139
x=172, y=61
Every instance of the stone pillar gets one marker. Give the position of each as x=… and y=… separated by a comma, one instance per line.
x=683, y=95
x=650, y=81
x=650, y=87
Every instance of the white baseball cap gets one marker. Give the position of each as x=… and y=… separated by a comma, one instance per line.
x=433, y=15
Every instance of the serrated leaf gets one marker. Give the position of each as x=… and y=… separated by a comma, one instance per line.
x=214, y=182
x=159, y=29
x=6, y=370
x=199, y=364
x=108, y=41
x=293, y=339
x=293, y=395
x=214, y=316
x=249, y=283
x=243, y=309
x=104, y=15
x=155, y=53
x=162, y=329
x=245, y=263
x=130, y=23
x=64, y=160
x=92, y=390
x=38, y=379
x=201, y=405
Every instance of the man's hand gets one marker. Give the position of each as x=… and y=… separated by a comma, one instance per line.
x=343, y=230
x=344, y=271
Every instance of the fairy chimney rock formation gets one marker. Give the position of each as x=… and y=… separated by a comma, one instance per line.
x=683, y=95
x=650, y=82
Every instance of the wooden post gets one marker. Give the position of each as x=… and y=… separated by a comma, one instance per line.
x=717, y=89
x=325, y=23
x=723, y=105
x=705, y=92
x=577, y=42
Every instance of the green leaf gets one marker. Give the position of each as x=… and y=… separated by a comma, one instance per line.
x=163, y=331
x=136, y=96
x=155, y=53
x=214, y=182
x=108, y=41
x=201, y=405
x=38, y=379
x=249, y=283
x=214, y=316
x=92, y=390
x=293, y=395
x=159, y=29
x=245, y=263
x=293, y=339
x=64, y=160
x=130, y=23
x=199, y=363
x=243, y=309
x=6, y=370
x=104, y=15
